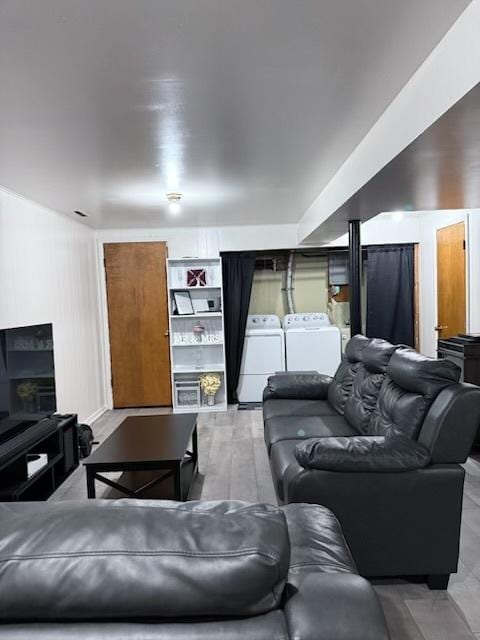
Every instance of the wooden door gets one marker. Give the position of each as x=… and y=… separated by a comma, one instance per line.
x=138, y=323
x=451, y=285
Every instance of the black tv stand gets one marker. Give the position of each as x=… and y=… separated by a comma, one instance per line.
x=54, y=441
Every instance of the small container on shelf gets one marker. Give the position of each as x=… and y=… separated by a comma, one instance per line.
x=198, y=331
x=187, y=393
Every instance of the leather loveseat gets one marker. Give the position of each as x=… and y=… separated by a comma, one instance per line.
x=159, y=570
x=380, y=444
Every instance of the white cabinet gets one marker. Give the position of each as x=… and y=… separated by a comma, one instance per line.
x=197, y=338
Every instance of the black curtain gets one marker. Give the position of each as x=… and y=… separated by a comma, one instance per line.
x=238, y=270
x=390, y=293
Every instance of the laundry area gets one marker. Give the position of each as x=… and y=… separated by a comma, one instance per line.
x=299, y=314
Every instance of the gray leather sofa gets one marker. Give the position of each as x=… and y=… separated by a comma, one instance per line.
x=139, y=570
x=380, y=444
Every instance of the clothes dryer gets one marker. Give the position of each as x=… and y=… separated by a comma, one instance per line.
x=311, y=342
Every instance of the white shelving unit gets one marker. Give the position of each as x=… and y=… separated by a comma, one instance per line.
x=193, y=354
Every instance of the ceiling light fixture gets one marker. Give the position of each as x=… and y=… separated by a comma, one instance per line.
x=174, y=202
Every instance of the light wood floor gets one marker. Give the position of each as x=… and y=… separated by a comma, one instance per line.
x=233, y=464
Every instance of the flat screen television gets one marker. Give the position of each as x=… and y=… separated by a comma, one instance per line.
x=27, y=375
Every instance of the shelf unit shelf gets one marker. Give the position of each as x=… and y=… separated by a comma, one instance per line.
x=202, y=409
x=207, y=288
x=214, y=368
x=194, y=259
x=188, y=364
x=199, y=344
x=207, y=314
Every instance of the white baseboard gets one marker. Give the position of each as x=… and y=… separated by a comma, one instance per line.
x=95, y=415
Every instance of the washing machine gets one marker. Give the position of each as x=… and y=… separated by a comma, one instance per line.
x=312, y=343
x=263, y=355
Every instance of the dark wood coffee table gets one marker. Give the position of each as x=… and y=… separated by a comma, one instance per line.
x=149, y=450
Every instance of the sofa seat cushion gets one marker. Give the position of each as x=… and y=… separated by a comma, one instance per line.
x=278, y=407
x=269, y=626
x=304, y=427
x=316, y=541
x=282, y=455
x=134, y=559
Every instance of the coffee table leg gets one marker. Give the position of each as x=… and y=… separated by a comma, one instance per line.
x=195, y=446
x=90, y=483
x=177, y=483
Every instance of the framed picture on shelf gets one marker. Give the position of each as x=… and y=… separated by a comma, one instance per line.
x=200, y=305
x=196, y=278
x=214, y=304
x=183, y=303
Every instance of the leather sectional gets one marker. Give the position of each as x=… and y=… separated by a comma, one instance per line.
x=380, y=444
x=140, y=570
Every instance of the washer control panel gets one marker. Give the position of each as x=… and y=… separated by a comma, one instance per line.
x=267, y=321
x=305, y=321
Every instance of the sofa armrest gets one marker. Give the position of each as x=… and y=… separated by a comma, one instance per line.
x=451, y=423
x=362, y=453
x=394, y=523
x=297, y=386
x=317, y=543
x=337, y=606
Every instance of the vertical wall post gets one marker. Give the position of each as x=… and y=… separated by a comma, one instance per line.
x=355, y=270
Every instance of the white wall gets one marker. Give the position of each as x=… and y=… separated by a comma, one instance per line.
x=208, y=241
x=48, y=274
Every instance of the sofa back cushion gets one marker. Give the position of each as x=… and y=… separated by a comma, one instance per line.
x=367, y=383
x=341, y=386
x=141, y=559
x=411, y=384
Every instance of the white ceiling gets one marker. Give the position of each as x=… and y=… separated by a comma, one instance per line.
x=248, y=107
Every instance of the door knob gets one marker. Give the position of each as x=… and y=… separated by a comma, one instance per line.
x=167, y=333
x=441, y=327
